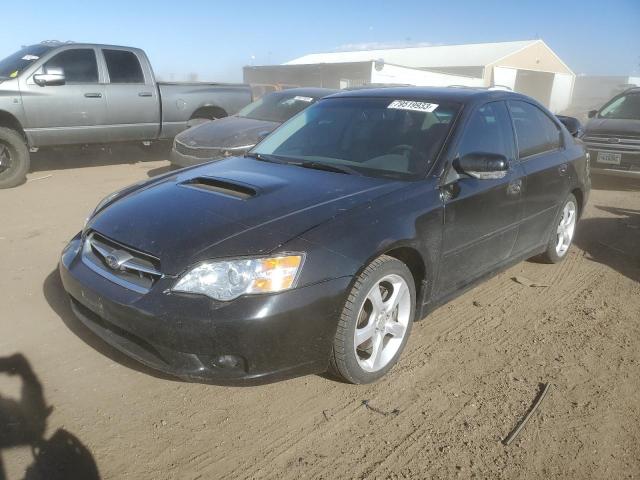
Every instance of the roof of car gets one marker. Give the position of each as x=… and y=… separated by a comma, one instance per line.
x=453, y=94
x=308, y=92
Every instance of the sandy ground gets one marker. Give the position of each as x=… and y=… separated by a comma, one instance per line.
x=470, y=370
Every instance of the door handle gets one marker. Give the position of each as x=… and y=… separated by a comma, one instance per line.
x=515, y=187
x=563, y=169
x=93, y=95
x=145, y=94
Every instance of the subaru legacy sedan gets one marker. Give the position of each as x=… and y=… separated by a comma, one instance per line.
x=319, y=248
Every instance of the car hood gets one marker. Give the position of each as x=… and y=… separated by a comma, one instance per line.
x=227, y=132
x=614, y=127
x=237, y=206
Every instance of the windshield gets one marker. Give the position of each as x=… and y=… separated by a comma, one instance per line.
x=13, y=65
x=276, y=107
x=626, y=107
x=375, y=136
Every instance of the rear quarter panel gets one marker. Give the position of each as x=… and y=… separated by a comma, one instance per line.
x=180, y=100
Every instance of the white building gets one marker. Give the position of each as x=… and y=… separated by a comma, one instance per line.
x=529, y=66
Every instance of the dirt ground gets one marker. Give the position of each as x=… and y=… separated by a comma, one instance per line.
x=470, y=371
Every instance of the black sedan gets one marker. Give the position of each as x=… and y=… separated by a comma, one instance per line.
x=237, y=134
x=319, y=248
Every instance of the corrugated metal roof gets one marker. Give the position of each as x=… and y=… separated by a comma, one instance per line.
x=477, y=54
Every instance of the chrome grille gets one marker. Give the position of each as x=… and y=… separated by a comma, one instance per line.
x=613, y=143
x=125, y=266
x=205, y=153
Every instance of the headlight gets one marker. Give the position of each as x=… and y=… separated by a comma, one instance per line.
x=228, y=279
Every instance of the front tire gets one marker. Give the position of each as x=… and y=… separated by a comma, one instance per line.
x=375, y=323
x=14, y=158
x=563, y=232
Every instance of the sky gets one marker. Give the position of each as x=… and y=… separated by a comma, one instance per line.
x=214, y=39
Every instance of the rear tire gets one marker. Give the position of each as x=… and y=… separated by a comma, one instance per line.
x=14, y=158
x=375, y=323
x=563, y=231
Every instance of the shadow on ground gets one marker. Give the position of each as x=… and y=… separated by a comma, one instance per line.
x=23, y=422
x=61, y=158
x=58, y=300
x=605, y=182
x=612, y=241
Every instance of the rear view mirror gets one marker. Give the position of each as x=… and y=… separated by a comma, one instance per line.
x=51, y=77
x=481, y=165
x=592, y=113
x=573, y=124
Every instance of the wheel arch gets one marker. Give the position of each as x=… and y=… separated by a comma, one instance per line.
x=209, y=111
x=579, y=194
x=8, y=120
x=417, y=265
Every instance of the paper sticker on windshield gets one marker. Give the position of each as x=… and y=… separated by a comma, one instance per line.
x=411, y=105
x=303, y=99
x=29, y=58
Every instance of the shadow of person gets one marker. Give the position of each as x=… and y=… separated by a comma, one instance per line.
x=612, y=241
x=58, y=300
x=23, y=423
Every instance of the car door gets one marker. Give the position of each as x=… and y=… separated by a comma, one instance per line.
x=133, y=106
x=481, y=216
x=541, y=154
x=70, y=113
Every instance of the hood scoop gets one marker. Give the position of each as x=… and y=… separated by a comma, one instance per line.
x=222, y=187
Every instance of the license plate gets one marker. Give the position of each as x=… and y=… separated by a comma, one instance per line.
x=609, y=158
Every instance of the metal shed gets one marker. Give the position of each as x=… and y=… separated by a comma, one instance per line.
x=528, y=66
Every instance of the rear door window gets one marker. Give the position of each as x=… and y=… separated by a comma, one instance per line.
x=535, y=131
x=488, y=131
x=79, y=65
x=123, y=66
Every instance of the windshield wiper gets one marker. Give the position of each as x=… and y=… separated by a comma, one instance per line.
x=264, y=158
x=327, y=167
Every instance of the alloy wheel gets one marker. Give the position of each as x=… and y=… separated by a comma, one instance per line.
x=566, y=227
x=382, y=322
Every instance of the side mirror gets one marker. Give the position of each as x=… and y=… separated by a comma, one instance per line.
x=573, y=124
x=51, y=77
x=592, y=113
x=481, y=165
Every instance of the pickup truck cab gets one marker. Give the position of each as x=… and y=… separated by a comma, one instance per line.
x=71, y=93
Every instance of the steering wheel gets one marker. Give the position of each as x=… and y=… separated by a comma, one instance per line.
x=402, y=149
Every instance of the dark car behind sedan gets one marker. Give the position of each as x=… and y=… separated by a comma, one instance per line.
x=612, y=136
x=320, y=247
x=237, y=134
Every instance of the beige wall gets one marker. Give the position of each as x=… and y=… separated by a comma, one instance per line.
x=535, y=57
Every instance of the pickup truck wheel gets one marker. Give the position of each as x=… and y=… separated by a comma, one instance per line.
x=561, y=236
x=14, y=158
x=375, y=323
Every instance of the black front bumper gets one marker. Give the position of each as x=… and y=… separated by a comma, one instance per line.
x=629, y=162
x=253, y=339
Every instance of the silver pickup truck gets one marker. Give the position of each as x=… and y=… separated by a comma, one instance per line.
x=72, y=93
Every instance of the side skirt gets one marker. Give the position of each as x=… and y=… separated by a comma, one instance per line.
x=431, y=305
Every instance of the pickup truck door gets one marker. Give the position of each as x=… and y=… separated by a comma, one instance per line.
x=481, y=216
x=133, y=104
x=71, y=113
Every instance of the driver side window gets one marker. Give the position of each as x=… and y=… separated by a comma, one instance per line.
x=488, y=131
x=79, y=65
